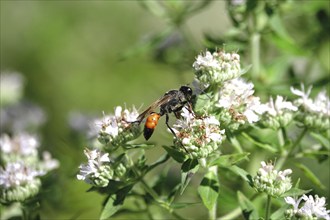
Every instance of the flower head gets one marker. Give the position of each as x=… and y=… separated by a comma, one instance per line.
x=238, y=104
x=19, y=181
x=198, y=136
x=118, y=128
x=22, y=167
x=21, y=146
x=315, y=113
x=278, y=113
x=271, y=181
x=311, y=209
x=97, y=170
x=215, y=68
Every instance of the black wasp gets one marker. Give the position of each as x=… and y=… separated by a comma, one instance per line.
x=171, y=102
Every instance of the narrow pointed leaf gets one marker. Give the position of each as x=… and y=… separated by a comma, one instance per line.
x=209, y=190
x=188, y=169
x=115, y=202
x=322, y=140
x=258, y=143
x=247, y=207
x=295, y=192
x=240, y=172
x=110, y=208
x=310, y=175
x=176, y=155
x=230, y=159
x=279, y=214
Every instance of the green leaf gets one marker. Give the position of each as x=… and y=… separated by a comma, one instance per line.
x=247, y=207
x=209, y=190
x=322, y=140
x=188, y=169
x=279, y=214
x=277, y=26
x=136, y=146
x=259, y=143
x=229, y=159
x=115, y=202
x=110, y=208
x=310, y=175
x=183, y=205
x=175, y=154
x=240, y=172
x=295, y=192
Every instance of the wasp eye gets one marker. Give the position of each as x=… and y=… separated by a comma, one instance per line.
x=186, y=90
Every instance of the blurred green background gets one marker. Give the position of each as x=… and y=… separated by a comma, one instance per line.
x=69, y=53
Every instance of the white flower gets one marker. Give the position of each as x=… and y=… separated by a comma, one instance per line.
x=17, y=174
x=271, y=181
x=279, y=106
x=320, y=105
x=118, y=128
x=310, y=209
x=199, y=136
x=278, y=113
x=206, y=61
x=314, y=114
x=237, y=97
x=48, y=163
x=21, y=144
x=215, y=68
x=96, y=171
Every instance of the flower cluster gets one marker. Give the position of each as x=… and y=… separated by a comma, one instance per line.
x=237, y=104
x=314, y=114
x=97, y=171
x=311, y=209
x=101, y=169
x=118, y=129
x=271, y=181
x=198, y=136
x=216, y=68
x=278, y=113
x=22, y=169
x=19, y=182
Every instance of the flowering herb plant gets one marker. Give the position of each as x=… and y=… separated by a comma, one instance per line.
x=250, y=142
x=225, y=112
x=23, y=166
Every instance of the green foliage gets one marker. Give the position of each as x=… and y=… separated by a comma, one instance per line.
x=209, y=190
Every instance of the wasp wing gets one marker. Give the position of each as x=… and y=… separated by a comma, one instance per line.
x=166, y=98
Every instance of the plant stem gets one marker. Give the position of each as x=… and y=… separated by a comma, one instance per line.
x=25, y=212
x=255, y=54
x=268, y=205
x=152, y=192
x=286, y=154
x=158, y=201
x=282, y=139
x=213, y=211
x=236, y=144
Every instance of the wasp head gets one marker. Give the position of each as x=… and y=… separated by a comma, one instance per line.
x=187, y=91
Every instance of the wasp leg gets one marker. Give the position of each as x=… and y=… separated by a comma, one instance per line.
x=169, y=127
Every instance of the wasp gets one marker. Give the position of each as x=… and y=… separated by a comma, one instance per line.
x=171, y=102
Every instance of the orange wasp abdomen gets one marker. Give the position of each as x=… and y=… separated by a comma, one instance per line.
x=151, y=123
